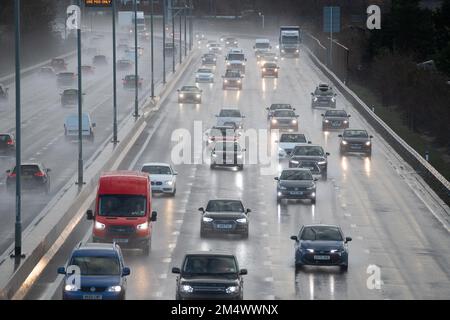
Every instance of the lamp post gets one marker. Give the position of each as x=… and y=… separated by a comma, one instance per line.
x=114, y=73
x=262, y=16
x=80, y=102
x=151, y=49
x=164, y=41
x=136, y=76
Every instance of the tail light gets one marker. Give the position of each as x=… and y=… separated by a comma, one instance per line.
x=10, y=142
x=39, y=174
x=12, y=175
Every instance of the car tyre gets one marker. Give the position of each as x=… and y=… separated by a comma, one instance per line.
x=241, y=167
x=279, y=200
x=344, y=268
x=146, y=248
x=212, y=166
x=313, y=201
x=203, y=233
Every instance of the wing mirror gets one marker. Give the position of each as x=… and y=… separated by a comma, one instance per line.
x=176, y=270
x=327, y=153
x=370, y=137
x=61, y=270
x=243, y=272
x=89, y=215
x=126, y=271
x=94, y=125
x=276, y=178
x=248, y=210
x=48, y=170
x=295, y=238
x=340, y=136
x=154, y=216
x=347, y=239
x=201, y=209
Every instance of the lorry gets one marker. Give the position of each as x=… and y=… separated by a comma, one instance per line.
x=289, y=41
x=126, y=21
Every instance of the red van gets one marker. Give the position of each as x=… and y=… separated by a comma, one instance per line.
x=123, y=210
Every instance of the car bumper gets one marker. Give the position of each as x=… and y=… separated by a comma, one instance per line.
x=207, y=80
x=324, y=104
x=236, y=229
x=269, y=74
x=79, y=295
x=330, y=126
x=302, y=258
x=356, y=149
x=305, y=194
x=210, y=296
x=162, y=189
x=284, y=126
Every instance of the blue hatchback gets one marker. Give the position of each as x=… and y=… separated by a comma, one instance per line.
x=95, y=271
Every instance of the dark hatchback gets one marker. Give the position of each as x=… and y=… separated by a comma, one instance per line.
x=323, y=245
x=209, y=276
x=7, y=144
x=296, y=184
x=335, y=119
x=58, y=64
x=355, y=141
x=310, y=153
x=224, y=217
x=33, y=176
x=69, y=97
x=269, y=69
x=209, y=59
x=129, y=82
x=101, y=270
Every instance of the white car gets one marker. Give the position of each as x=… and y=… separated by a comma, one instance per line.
x=162, y=176
x=230, y=116
x=288, y=141
x=204, y=75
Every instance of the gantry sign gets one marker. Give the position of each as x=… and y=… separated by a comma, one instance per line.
x=98, y=3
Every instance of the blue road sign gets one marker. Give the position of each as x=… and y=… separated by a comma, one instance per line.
x=331, y=19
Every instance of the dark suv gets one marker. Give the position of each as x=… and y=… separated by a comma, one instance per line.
x=208, y=275
x=311, y=154
x=33, y=176
x=102, y=273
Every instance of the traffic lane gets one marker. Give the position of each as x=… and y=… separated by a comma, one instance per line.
x=45, y=143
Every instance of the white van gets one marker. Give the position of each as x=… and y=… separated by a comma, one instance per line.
x=262, y=45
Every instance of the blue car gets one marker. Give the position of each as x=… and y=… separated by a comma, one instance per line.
x=95, y=271
x=321, y=245
x=71, y=127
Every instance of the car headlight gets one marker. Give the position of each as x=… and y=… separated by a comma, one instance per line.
x=327, y=121
x=297, y=51
x=228, y=42
x=143, y=226
x=345, y=121
x=99, y=225
x=333, y=100
x=186, y=288
x=282, y=51
x=344, y=142
x=197, y=95
x=294, y=121
x=321, y=162
x=114, y=289
x=315, y=99
x=239, y=156
x=70, y=287
x=310, y=250
x=228, y=63
x=294, y=162
x=368, y=143
x=334, y=251
x=206, y=219
x=170, y=182
x=264, y=69
x=181, y=95
x=226, y=81
x=214, y=60
x=239, y=81
x=243, y=220
x=232, y=289
x=274, y=121
x=243, y=63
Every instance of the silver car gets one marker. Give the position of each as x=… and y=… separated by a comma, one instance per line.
x=230, y=116
x=323, y=96
x=284, y=119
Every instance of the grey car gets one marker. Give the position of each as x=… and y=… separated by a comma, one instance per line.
x=321, y=245
x=228, y=116
x=335, y=119
x=190, y=94
x=224, y=216
x=323, y=96
x=284, y=119
x=309, y=153
x=356, y=141
x=227, y=154
x=232, y=79
x=297, y=184
x=277, y=106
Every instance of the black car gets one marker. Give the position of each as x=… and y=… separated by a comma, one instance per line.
x=69, y=97
x=284, y=119
x=231, y=42
x=296, y=184
x=357, y=141
x=321, y=245
x=335, y=119
x=129, y=82
x=33, y=176
x=224, y=216
x=208, y=275
x=7, y=144
x=209, y=59
x=170, y=48
x=189, y=94
x=269, y=69
x=100, y=61
x=66, y=79
x=309, y=153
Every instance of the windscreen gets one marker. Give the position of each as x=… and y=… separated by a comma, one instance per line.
x=262, y=45
x=336, y=113
x=299, y=138
x=157, y=170
x=230, y=113
x=308, y=151
x=290, y=39
x=97, y=266
x=225, y=206
x=236, y=56
x=355, y=134
x=284, y=113
x=321, y=233
x=295, y=175
x=210, y=265
x=122, y=206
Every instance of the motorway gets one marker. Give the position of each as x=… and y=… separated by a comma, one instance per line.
x=43, y=120
x=370, y=199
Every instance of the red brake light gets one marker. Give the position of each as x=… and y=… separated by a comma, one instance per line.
x=39, y=174
x=12, y=175
x=10, y=142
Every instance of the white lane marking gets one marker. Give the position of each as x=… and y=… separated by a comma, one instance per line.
x=163, y=276
x=353, y=225
x=175, y=233
x=268, y=279
x=167, y=260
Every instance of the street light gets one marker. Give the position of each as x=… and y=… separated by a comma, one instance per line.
x=151, y=45
x=262, y=16
x=114, y=73
x=164, y=41
x=80, y=102
x=136, y=76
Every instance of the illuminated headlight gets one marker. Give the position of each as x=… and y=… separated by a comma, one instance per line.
x=344, y=142
x=313, y=194
x=294, y=121
x=235, y=42
x=326, y=121
x=310, y=250
x=99, y=226
x=294, y=162
x=239, y=81
x=279, y=194
x=239, y=156
x=345, y=121
x=334, y=251
x=70, y=287
x=226, y=81
x=278, y=46
x=228, y=42
x=333, y=100
x=297, y=51
x=116, y=289
x=264, y=69
x=243, y=220
x=274, y=121
x=170, y=182
x=206, y=219
x=197, y=95
x=214, y=59
x=143, y=226
x=282, y=51
x=186, y=288
x=228, y=63
x=321, y=162
x=243, y=63
x=315, y=99
x=181, y=95
x=214, y=155
x=368, y=143
x=232, y=289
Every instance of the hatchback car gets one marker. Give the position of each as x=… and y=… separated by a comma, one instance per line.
x=231, y=42
x=309, y=153
x=124, y=64
x=163, y=178
x=229, y=116
x=66, y=79
x=71, y=127
x=335, y=119
x=284, y=119
x=69, y=97
x=215, y=48
x=58, y=64
x=277, y=106
x=204, y=75
x=7, y=144
x=232, y=79
x=269, y=69
x=209, y=275
x=190, y=94
x=323, y=96
x=88, y=70
x=33, y=176
x=296, y=184
x=356, y=141
x=47, y=72
x=321, y=245
x=224, y=217
x=227, y=154
x=95, y=271
x=129, y=82
x=267, y=57
x=209, y=59
x=100, y=61
x=288, y=141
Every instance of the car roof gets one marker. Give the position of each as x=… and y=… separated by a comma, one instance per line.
x=230, y=108
x=321, y=225
x=156, y=164
x=90, y=249
x=295, y=169
x=262, y=40
x=210, y=253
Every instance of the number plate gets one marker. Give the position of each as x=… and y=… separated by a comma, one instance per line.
x=120, y=240
x=224, y=226
x=356, y=147
x=297, y=193
x=321, y=257
x=92, y=297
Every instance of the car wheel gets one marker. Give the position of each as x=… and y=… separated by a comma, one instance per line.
x=203, y=233
x=344, y=268
x=369, y=154
x=146, y=248
x=324, y=175
x=174, y=192
x=211, y=166
x=313, y=201
x=279, y=200
x=298, y=266
x=241, y=167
